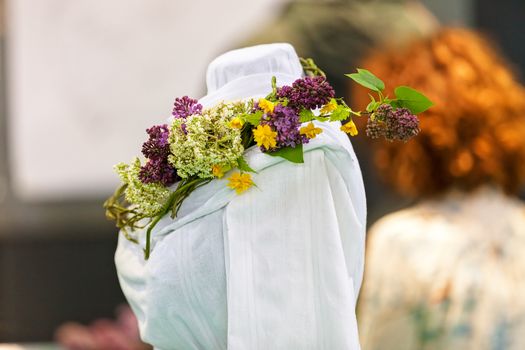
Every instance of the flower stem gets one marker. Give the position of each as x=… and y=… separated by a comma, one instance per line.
x=155, y=221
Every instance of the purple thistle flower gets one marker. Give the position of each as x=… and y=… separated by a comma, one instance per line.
x=308, y=93
x=158, y=171
x=285, y=121
x=157, y=146
x=186, y=106
x=402, y=125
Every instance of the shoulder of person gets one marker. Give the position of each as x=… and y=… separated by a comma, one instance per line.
x=419, y=223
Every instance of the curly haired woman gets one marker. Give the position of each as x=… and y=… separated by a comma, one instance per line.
x=449, y=272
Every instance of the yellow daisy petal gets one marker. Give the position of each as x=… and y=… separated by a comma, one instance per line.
x=329, y=107
x=310, y=130
x=350, y=128
x=240, y=182
x=217, y=171
x=266, y=106
x=264, y=136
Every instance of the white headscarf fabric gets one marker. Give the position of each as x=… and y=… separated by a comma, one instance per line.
x=278, y=267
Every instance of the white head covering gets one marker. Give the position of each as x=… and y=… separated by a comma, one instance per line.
x=248, y=72
x=278, y=267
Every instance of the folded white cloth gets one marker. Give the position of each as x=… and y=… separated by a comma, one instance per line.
x=278, y=267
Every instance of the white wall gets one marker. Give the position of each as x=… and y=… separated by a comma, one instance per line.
x=87, y=77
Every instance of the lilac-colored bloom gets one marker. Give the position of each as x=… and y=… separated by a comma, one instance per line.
x=383, y=112
x=158, y=171
x=393, y=124
x=285, y=121
x=156, y=149
x=186, y=106
x=157, y=146
x=375, y=128
x=402, y=125
x=308, y=93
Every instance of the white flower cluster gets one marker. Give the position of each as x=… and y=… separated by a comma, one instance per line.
x=148, y=198
x=199, y=142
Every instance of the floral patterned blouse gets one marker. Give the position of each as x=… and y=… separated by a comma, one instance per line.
x=447, y=274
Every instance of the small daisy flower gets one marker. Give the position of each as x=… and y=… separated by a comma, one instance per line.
x=350, y=128
x=240, y=182
x=310, y=130
x=265, y=137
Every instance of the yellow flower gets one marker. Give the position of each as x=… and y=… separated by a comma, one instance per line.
x=265, y=136
x=236, y=123
x=217, y=171
x=266, y=106
x=240, y=182
x=329, y=107
x=350, y=128
x=310, y=130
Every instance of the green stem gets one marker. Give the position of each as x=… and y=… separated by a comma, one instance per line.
x=274, y=85
x=310, y=67
x=155, y=221
x=184, y=191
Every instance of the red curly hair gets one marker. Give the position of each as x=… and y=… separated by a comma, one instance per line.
x=475, y=132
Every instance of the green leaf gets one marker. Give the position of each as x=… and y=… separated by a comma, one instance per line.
x=367, y=79
x=243, y=165
x=340, y=113
x=294, y=155
x=306, y=115
x=395, y=103
x=253, y=118
x=412, y=99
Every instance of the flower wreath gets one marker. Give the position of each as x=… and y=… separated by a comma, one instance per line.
x=202, y=144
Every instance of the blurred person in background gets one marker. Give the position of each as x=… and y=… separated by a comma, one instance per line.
x=336, y=34
x=448, y=273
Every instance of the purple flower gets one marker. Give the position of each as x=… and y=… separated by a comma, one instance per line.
x=308, y=93
x=399, y=124
x=156, y=149
x=285, y=121
x=402, y=125
x=185, y=106
x=383, y=112
x=184, y=129
x=375, y=128
x=157, y=146
x=158, y=171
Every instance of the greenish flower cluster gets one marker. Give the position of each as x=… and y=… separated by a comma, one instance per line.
x=201, y=141
x=148, y=198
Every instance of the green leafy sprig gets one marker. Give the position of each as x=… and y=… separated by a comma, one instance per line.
x=405, y=97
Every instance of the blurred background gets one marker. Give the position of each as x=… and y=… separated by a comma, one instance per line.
x=80, y=81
